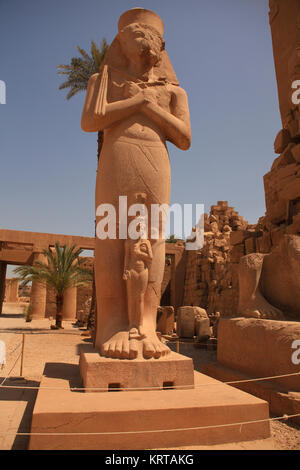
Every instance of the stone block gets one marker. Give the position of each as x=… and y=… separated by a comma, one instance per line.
x=203, y=330
x=206, y=415
x=237, y=252
x=276, y=236
x=296, y=153
x=250, y=246
x=263, y=243
x=282, y=140
x=107, y=373
x=261, y=348
x=237, y=237
x=165, y=320
x=186, y=320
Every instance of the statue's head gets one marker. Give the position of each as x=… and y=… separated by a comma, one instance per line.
x=141, y=35
x=141, y=42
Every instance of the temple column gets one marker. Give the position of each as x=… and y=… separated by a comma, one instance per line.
x=38, y=292
x=12, y=289
x=3, y=267
x=70, y=304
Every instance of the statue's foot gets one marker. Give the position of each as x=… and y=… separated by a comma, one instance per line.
x=120, y=346
x=260, y=308
x=153, y=347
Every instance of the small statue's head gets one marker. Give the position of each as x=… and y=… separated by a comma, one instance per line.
x=141, y=35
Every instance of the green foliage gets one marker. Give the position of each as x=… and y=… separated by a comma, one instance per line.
x=61, y=270
x=81, y=68
x=172, y=239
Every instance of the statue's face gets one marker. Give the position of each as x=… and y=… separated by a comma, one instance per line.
x=141, y=43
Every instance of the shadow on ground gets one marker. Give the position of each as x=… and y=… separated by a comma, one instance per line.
x=199, y=356
x=24, y=394
x=63, y=370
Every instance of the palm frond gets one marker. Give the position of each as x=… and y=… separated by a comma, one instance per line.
x=82, y=68
x=60, y=271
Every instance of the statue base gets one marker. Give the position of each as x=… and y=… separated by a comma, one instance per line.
x=209, y=414
x=102, y=374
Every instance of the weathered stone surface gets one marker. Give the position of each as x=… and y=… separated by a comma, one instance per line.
x=165, y=320
x=186, y=321
x=261, y=348
x=282, y=140
x=203, y=329
x=270, y=283
x=169, y=409
x=211, y=278
x=296, y=153
x=102, y=372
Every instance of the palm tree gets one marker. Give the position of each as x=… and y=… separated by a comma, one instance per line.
x=80, y=70
x=61, y=271
x=78, y=73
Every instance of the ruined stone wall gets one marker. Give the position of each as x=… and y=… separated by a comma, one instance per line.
x=211, y=280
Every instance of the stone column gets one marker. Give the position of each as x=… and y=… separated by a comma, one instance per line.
x=38, y=292
x=12, y=288
x=3, y=267
x=70, y=304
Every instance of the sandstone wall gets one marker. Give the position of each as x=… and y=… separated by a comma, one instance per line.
x=211, y=280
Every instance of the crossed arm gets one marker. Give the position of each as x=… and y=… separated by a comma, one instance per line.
x=175, y=125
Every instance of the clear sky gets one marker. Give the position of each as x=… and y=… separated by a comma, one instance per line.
x=221, y=51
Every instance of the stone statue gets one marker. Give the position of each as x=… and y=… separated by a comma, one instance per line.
x=137, y=262
x=136, y=99
x=270, y=283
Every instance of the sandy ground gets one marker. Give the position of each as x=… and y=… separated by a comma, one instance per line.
x=43, y=345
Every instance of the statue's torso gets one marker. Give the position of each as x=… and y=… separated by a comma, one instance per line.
x=137, y=126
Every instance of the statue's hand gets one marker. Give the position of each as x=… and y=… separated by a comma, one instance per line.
x=149, y=95
x=131, y=89
x=126, y=275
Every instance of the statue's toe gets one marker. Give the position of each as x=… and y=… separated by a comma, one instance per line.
x=133, y=349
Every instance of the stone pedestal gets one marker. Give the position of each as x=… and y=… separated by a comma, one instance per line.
x=106, y=374
x=209, y=414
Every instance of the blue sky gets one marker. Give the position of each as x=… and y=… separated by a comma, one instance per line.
x=221, y=51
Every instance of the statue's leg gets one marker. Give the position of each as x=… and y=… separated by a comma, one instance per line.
x=130, y=301
x=252, y=302
x=152, y=346
x=112, y=336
